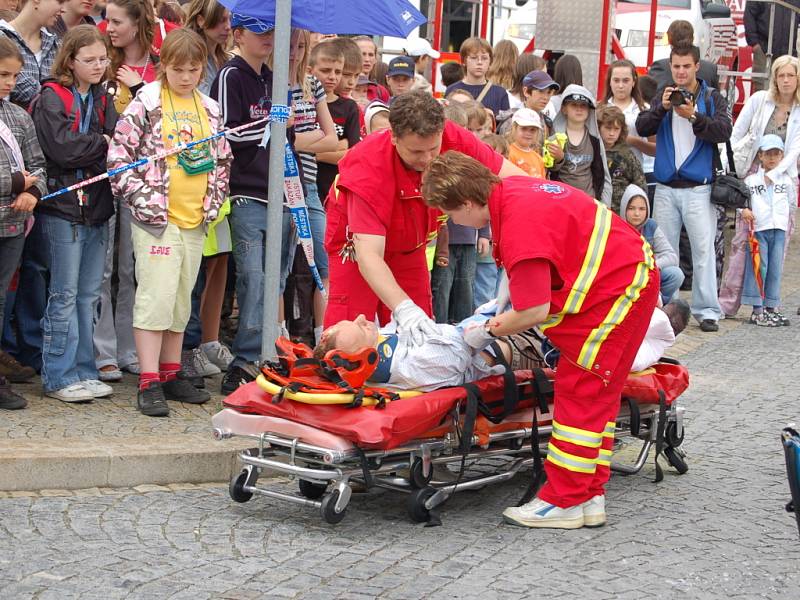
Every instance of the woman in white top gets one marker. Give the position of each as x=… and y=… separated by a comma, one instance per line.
x=622, y=90
x=775, y=110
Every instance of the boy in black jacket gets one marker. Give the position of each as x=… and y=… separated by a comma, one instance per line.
x=243, y=89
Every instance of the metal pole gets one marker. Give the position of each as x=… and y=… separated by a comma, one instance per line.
x=272, y=245
x=484, y=17
x=436, y=41
x=651, y=35
x=604, y=36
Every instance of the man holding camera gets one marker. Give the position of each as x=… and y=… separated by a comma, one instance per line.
x=689, y=120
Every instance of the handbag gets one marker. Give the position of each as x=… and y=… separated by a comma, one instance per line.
x=744, y=146
x=728, y=190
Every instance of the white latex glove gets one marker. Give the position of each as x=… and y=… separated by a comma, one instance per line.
x=411, y=319
x=503, y=293
x=477, y=336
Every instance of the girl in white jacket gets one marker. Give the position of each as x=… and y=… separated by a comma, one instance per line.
x=769, y=219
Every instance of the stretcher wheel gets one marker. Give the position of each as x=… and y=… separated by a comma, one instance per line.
x=236, y=487
x=311, y=490
x=676, y=460
x=418, y=479
x=328, y=508
x=416, y=504
x=671, y=434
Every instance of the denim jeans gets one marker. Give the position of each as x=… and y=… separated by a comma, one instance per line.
x=692, y=208
x=31, y=297
x=317, y=218
x=486, y=278
x=248, y=221
x=10, y=253
x=770, y=246
x=452, y=286
x=76, y=259
x=671, y=280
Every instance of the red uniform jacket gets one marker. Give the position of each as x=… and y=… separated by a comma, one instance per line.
x=603, y=262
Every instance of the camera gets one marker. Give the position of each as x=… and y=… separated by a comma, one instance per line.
x=681, y=96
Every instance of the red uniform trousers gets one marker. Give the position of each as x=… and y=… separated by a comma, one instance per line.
x=584, y=402
x=350, y=296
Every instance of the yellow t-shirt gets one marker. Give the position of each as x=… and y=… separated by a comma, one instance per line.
x=184, y=120
x=529, y=161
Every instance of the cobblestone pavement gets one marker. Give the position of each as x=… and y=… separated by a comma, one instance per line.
x=719, y=531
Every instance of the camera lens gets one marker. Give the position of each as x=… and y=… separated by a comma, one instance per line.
x=676, y=98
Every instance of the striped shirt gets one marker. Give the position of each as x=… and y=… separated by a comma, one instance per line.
x=305, y=119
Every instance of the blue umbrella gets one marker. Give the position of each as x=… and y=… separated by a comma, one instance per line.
x=370, y=17
x=395, y=18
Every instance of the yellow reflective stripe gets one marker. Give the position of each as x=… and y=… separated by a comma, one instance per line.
x=617, y=314
x=589, y=268
x=604, y=460
x=570, y=462
x=608, y=432
x=579, y=437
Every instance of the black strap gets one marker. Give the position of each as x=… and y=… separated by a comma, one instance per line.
x=662, y=424
x=365, y=468
x=510, y=389
x=635, y=417
x=543, y=389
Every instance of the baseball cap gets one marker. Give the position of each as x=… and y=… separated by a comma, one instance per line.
x=251, y=23
x=771, y=142
x=525, y=117
x=420, y=47
x=362, y=80
x=401, y=65
x=373, y=108
x=539, y=80
x=578, y=99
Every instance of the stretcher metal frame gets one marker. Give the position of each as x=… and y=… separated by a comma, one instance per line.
x=325, y=475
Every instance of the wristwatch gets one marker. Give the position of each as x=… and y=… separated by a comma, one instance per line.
x=488, y=327
x=692, y=118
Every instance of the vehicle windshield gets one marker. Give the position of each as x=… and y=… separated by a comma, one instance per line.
x=662, y=3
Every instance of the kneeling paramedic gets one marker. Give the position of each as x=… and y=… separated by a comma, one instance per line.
x=589, y=281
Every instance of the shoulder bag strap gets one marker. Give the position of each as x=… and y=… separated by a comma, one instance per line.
x=484, y=91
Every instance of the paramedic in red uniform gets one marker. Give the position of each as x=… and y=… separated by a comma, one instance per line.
x=589, y=281
x=376, y=210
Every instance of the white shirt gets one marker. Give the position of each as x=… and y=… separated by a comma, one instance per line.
x=683, y=138
x=771, y=205
x=658, y=338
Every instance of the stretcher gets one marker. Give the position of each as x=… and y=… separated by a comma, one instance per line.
x=406, y=444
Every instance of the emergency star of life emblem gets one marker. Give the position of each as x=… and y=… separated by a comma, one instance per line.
x=550, y=188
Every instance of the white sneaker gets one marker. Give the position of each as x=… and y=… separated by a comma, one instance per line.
x=594, y=511
x=538, y=513
x=72, y=393
x=203, y=366
x=218, y=354
x=132, y=368
x=98, y=389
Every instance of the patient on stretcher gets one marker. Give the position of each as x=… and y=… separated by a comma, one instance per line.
x=443, y=360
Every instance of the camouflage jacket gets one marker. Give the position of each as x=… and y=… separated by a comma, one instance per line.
x=139, y=134
x=625, y=169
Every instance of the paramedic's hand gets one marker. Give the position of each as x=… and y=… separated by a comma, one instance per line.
x=484, y=246
x=503, y=293
x=748, y=216
x=411, y=319
x=25, y=202
x=477, y=336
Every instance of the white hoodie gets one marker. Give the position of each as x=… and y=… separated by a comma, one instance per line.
x=770, y=204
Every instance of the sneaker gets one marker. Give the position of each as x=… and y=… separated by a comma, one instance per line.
x=218, y=354
x=189, y=371
x=709, y=325
x=97, y=388
x=202, y=365
x=72, y=393
x=538, y=513
x=182, y=390
x=151, y=402
x=13, y=370
x=133, y=368
x=110, y=373
x=594, y=511
x=778, y=318
x=10, y=400
x=235, y=377
x=761, y=319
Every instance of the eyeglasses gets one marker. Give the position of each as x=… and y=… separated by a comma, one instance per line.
x=102, y=62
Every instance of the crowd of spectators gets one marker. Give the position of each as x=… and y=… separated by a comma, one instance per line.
x=135, y=274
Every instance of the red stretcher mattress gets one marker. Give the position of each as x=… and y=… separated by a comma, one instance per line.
x=407, y=419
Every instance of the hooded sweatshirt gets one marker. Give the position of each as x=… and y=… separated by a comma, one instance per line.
x=601, y=179
x=662, y=249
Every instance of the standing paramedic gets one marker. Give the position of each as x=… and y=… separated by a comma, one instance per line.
x=378, y=224
x=589, y=281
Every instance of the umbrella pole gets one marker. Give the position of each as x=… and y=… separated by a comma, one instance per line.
x=272, y=245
